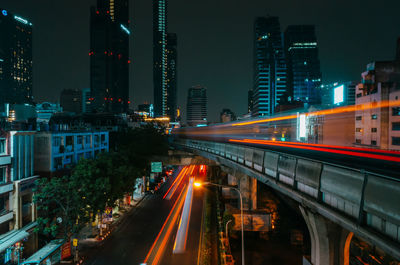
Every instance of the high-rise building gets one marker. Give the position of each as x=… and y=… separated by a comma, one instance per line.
x=197, y=106
x=269, y=66
x=172, y=57
x=109, y=56
x=160, y=63
x=304, y=74
x=250, y=101
x=71, y=100
x=15, y=59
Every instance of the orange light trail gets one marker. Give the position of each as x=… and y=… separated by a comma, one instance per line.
x=352, y=108
x=177, y=177
x=332, y=146
x=342, y=152
x=172, y=192
x=170, y=221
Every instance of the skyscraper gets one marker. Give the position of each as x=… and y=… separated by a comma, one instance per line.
x=160, y=64
x=109, y=56
x=171, y=76
x=197, y=106
x=15, y=59
x=304, y=74
x=269, y=66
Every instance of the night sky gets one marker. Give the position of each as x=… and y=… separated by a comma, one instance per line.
x=214, y=43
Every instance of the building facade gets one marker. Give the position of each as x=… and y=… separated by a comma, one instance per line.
x=160, y=56
x=15, y=59
x=379, y=126
x=17, y=210
x=338, y=94
x=196, y=110
x=57, y=151
x=270, y=71
x=304, y=74
x=172, y=81
x=109, y=56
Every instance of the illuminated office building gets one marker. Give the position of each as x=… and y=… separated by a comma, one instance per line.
x=304, y=74
x=172, y=76
x=15, y=59
x=269, y=66
x=197, y=106
x=109, y=56
x=160, y=63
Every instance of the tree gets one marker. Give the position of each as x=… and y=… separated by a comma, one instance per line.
x=60, y=206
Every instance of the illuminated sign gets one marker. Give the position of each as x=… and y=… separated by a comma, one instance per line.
x=22, y=20
x=301, y=127
x=4, y=12
x=156, y=167
x=125, y=29
x=1, y=60
x=338, y=94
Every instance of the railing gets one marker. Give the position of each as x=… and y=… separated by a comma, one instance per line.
x=369, y=199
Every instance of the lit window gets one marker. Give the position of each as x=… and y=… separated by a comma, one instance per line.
x=374, y=117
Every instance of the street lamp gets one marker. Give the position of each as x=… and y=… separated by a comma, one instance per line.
x=199, y=184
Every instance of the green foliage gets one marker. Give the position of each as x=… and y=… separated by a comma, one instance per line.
x=60, y=206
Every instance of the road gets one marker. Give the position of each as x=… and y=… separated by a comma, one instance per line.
x=153, y=222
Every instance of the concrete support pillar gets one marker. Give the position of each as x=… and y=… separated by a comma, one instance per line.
x=248, y=188
x=330, y=243
x=253, y=183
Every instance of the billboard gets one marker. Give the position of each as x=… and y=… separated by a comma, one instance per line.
x=338, y=95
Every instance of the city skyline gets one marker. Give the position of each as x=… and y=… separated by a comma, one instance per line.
x=235, y=72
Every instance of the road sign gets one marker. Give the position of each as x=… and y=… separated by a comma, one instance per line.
x=156, y=167
x=75, y=242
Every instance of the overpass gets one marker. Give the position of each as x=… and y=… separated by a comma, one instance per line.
x=337, y=200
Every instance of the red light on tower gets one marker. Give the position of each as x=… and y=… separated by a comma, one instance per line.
x=129, y=102
x=129, y=61
x=111, y=99
x=97, y=12
x=119, y=100
x=105, y=98
x=108, y=12
x=105, y=52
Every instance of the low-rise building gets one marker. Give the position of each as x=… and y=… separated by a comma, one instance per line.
x=378, y=126
x=59, y=150
x=17, y=181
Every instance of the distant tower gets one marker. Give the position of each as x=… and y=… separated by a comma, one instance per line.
x=304, y=74
x=160, y=57
x=269, y=66
x=171, y=80
x=109, y=56
x=197, y=106
x=15, y=59
x=71, y=100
